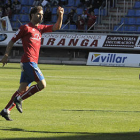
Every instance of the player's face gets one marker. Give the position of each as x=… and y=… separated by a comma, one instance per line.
x=38, y=17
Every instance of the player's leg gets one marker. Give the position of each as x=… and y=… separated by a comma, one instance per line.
x=34, y=89
x=6, y=111
x=33, y=73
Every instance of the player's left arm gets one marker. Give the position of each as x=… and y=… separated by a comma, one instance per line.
x=58, y=24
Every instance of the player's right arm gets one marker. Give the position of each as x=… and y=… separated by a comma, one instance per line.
x=19, y=34
x=7, y=52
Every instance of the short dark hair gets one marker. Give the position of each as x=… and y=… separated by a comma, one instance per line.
x=34, y=10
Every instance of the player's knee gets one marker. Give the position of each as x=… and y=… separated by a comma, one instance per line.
x=42, y=84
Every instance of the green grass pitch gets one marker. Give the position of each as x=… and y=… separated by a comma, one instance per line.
x=79, y=103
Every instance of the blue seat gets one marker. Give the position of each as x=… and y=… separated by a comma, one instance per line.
x=131, y=12
x=70, y=3
x=125, y=28
x=138, y=21
x=69, y=10
x=77, y=3
x=137, y=13
x=124, y=20
x=24, y=10
x=15, y=25
x=54, y=10
x=137, y=4
x=65, y=10
x=96, y=11
x=72, y=27
x=132, y=28
x=24, y=18
x=64, y=18
x=30, y=2
x=138, y=29
x=103, y=12
x=54, y=18
x=116, y=28
x=79, y=11
x=64, y=27
x=131, y=21
x=121, y=29
x=15, y=17
x=24, y=2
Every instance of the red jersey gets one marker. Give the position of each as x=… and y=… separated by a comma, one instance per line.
x=91, y=20
x=31, y=40
x=80, y=24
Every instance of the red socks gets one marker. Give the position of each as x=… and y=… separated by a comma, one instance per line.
x=31, y=91
x=11, y=103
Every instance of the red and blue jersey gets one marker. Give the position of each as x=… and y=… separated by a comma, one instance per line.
x=31, y=40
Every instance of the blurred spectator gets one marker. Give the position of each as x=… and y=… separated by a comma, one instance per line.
x=2, y=5
x=16, y=7
x=84, y=15
x=82, y=1
x=8, y=12
x=8, y=4
x=1, y=12
x=103, y=3
x=54, y=2
x=47, y=15
x=97, y=4
x=63, y=2
x=36, y=2
x=87, y=3
x=75, y=16
x=80, y=23
x=91, y=20
x=70, y=16
x=92, y=1
x=90, y=8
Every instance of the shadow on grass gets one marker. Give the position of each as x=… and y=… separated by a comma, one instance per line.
x=1, y=67
x=76, y=135
x=123, y=111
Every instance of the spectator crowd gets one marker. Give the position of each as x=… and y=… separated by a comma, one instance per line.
x=9, y=8
x=88, y=16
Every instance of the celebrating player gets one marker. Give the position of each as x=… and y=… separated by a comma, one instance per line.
x=30, y=34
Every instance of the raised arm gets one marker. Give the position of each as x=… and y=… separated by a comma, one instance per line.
x=7, y=52
x=58, y=24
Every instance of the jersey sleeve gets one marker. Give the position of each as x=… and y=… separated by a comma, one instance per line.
x=19, y=34
x=47, y=28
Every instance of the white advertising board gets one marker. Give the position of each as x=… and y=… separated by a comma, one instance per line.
x=113, y=59
x=61, y=40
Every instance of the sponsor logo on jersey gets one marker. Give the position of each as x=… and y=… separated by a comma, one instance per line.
x=36, y=37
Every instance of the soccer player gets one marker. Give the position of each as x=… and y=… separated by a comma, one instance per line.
x=30, y=34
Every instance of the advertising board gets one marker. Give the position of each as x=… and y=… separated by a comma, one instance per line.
x=113, y=59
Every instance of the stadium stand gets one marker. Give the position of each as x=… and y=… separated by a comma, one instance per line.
x=30, y=3
x=129, y=19
x=137, y=4
x=26, y=6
